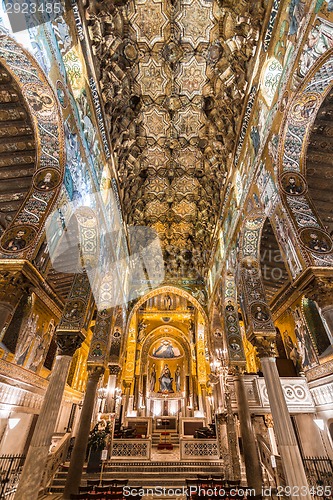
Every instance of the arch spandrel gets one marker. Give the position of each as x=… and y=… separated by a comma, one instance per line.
x=315, y=241
x=45, y=112
x=168, y=289
x=202, y=332
x=259, y=318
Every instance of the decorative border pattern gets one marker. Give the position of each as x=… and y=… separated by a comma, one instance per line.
x=258, y=312
x=46, y=114
x=298, y=122
x=231, y=322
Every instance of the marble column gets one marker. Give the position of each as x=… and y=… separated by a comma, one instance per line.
x=35, y=462
x=251, y=457
x=81, y=440
x=232, y=437
x=126, y=400
x=327, y=315
x=285, y=435
x=321, y=291
x=112, y=383
x=203, y=402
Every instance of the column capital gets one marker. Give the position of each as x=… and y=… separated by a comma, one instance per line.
x=94, y=372
x=237, y=370
x=127, y=385
x=12, y=284
x=221, y=418
x=114, y=369
x=269, y=420
x=321, y=291
x=265, y=346
x=69, y=341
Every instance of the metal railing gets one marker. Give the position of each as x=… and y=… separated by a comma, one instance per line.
x=10, y=472
x=319, y=472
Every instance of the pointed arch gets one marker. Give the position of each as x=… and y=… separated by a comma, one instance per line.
x=45, y=111
x=257, y=312
x=167, y=289
x=299, y=117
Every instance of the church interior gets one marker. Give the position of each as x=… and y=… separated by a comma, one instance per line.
x=166, y=249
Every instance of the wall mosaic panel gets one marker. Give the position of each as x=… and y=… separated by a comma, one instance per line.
x=18, y=240
x=231, y=322
x=299, y=120
x=259, y=319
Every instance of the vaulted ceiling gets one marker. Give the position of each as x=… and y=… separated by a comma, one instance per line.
x=174, y=76
x=17, y=148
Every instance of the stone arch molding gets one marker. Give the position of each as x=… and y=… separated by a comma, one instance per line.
x=167, y=289
x=300, y=115
x=45, y=111
x=258, y=314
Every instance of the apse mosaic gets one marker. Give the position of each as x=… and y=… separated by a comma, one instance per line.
x=166, y=368
x=165, y=349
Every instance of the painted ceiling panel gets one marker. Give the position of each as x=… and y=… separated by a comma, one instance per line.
x=173, y=79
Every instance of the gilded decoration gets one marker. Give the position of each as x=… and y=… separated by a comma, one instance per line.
x=192, y=78
x=152, y=79
x=196, y=21
x=231, y=322
x=299, y=119
x=173, y=97
x=44, y=111
x=149, y=21
x=258, y=312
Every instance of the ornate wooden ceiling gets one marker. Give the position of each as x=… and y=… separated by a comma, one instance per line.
x=17, y=148
x=173, y=76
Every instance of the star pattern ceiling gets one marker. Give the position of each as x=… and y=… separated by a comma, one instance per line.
x=173, y=75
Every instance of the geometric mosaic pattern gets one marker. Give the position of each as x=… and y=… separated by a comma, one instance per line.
x=169, y=74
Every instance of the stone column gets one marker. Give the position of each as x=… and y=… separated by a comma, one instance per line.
x=252, y=464
x=321, y=291
x=136, y=392
x=126, y=398
x=112, y=382
x=285, y=435
x=81, y=441
x=232, y=437
x=35, y=462
x=203, y=402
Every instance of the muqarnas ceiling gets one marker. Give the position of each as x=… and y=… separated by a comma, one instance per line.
x=173, y=77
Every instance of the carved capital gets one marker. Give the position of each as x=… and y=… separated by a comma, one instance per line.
x=221, y=418
x=265, y=346
x=95, y=372
x=237, y=370
x=114, y=369
x=269, y=421
x=321, y=291
x=12, y=285
x=69, y=342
